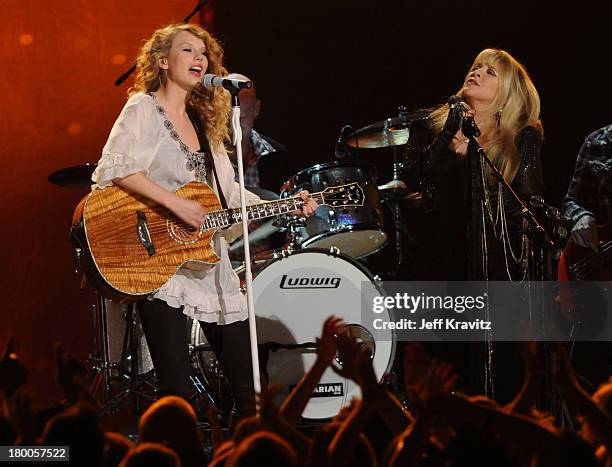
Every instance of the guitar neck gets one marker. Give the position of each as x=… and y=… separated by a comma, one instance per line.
x=227, y=217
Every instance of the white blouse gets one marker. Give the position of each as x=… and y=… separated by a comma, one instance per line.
x=143, y=140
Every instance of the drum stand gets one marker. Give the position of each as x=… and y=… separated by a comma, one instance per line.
x=135, y=384
x=393, y=193
x=101, y=365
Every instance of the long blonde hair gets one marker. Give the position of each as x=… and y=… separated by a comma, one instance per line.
x=515, y=106
x=212, y=105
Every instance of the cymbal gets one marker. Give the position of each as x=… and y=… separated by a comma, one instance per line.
x=398, y=190
x=386, y=133
x=75, y=176
x=389, y=132
x=393, y=186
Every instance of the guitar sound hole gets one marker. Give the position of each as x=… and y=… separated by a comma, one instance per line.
x=182, y=232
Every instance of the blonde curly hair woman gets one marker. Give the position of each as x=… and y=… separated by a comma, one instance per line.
x=170, y=132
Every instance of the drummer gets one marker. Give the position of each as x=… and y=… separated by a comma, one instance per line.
x=255, y=146
x=256, y=149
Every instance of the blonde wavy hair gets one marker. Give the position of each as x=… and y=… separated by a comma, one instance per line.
x=212, y=105
x=515, y=106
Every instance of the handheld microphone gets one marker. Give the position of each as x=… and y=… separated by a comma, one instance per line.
x=468, y=125
x=231, y=84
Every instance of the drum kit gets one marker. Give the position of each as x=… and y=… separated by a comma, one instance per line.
x=317, y=272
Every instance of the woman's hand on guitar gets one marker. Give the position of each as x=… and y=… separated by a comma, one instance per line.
x=584, y=233
x=191, y=212
x=310, y=205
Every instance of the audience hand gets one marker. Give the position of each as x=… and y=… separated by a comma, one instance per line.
x=326, y=345
x=13, y=374
x=70, y=375
x=356, y=365
x=22, y=416
x=426, y=378
x=562, y=369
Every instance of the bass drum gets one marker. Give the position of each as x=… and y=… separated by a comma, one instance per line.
x=356, y=231
x=293, y=296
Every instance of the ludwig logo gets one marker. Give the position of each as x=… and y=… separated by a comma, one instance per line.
x=329, y=390
x=309, y=282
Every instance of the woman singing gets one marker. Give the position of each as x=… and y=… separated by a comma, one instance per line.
x=170, y=132
x=476, y=229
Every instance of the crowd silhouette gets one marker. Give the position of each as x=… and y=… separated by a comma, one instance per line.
x=434, y=426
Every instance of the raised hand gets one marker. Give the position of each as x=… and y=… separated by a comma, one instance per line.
x=562, y=368
x=348, y=352
x=268, y=410
x=70, y=375
x=326, y=344
x=356, y=364
x=22, y=416
x=13, y=374
x=415, y=362
x=426, y=378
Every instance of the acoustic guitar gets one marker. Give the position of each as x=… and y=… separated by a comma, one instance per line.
x=130, y=246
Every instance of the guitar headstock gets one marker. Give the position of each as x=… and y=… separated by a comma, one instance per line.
x=343, y=196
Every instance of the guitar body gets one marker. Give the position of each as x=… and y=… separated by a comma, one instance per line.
x=577, y=267
x=132, y=246
x=599, y=263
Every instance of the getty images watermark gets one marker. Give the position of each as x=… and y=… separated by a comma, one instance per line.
x=411, y=304
x=476, y=311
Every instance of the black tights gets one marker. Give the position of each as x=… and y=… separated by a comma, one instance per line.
x=167, y=336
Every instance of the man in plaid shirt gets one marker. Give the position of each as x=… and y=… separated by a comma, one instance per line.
x=589, y=198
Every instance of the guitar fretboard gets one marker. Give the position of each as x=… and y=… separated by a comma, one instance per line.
x=227, y=217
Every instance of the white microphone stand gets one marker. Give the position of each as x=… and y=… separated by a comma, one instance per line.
x=237, y=132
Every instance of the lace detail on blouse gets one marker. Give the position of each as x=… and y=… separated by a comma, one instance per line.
x=196, y=161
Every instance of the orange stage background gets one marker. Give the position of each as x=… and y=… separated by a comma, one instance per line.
x=58, y=100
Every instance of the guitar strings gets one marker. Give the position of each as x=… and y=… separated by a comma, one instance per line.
x=160, y=226
x=222, y=217
x=605, y=248
x=588, y=264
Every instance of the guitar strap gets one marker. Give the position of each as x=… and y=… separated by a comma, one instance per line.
x=205, y=146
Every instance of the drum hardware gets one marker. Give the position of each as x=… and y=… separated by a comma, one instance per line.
x=135, y=383
x=78, y=176
x=265, y=349
x=407, y=135
x=395, y=188
x=212, y=385
x=100, y=364
x=356, y=231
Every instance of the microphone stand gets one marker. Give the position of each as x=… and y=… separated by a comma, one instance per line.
x=471, y=131
x=119, y=81
x=237, y=132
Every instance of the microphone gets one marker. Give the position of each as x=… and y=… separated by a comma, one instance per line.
x=231, y=84
x=341, y=150
x=468, y=125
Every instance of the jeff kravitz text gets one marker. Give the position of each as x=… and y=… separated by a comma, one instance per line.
x=428, y=303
